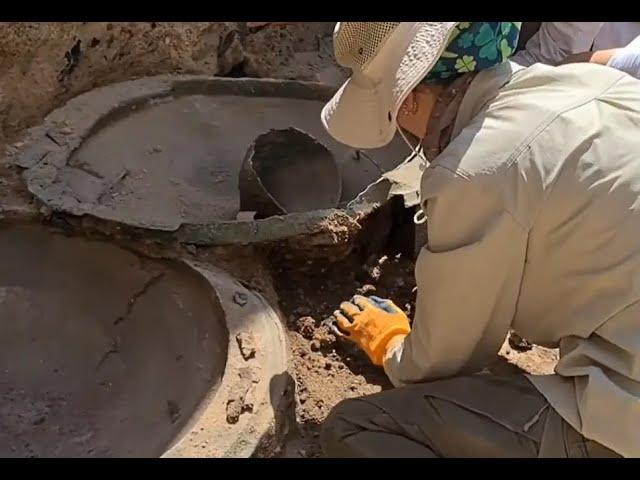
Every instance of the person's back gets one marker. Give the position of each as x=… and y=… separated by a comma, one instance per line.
x=558, y=149
x=581, y=282
x=533, y=221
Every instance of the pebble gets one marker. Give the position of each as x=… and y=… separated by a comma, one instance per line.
x=315, y=345
x=240, y=298
x=366, y=289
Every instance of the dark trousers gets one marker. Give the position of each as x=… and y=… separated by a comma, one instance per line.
x=481, y=415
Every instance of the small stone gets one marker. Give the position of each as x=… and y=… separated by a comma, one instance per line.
x=519, y=344
x=247, y=345
x=315, y=345
x=66, y=131
x=328, y=365
x=375, y=273
x=366, y=289
x=240, y=298
x=234, y=409
x=192, y=249
x=325, y=339
x=306, y=327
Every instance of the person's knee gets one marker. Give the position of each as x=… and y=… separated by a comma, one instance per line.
x=340, y=425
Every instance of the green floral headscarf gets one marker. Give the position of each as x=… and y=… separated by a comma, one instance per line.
x=475, y=46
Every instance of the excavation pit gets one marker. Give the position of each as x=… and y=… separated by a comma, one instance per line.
x=164, y=153
x=106, y=353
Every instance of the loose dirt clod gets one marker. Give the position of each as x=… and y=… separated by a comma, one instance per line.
x=306, y=326
x=247, y=345
x=240, y=398
x=240, y=299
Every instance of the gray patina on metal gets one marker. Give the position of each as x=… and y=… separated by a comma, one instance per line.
x=162, y=155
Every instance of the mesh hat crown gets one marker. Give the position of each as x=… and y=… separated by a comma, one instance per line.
x=356, y=43
x=387, y=60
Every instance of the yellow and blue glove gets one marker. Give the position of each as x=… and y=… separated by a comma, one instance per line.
x=371, y=323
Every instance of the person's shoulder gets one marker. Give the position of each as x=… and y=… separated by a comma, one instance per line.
x=550, y=84
x=501, y=126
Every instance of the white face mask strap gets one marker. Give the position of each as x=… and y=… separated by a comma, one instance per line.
x=420, y=217
x=414, y=150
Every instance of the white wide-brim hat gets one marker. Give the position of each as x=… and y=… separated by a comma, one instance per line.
x=388, y=60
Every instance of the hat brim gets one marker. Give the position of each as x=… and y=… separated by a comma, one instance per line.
x=363, y=114
x=355, y=116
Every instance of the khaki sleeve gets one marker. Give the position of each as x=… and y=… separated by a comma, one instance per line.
x=468, y=279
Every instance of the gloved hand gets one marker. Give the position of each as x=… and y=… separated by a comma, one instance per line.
x=371, y=323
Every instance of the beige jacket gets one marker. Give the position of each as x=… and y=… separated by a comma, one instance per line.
x=534, y=224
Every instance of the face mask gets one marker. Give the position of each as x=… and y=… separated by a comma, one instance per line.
x=475, y=46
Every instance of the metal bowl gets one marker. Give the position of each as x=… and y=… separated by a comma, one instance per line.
x=288, y=171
